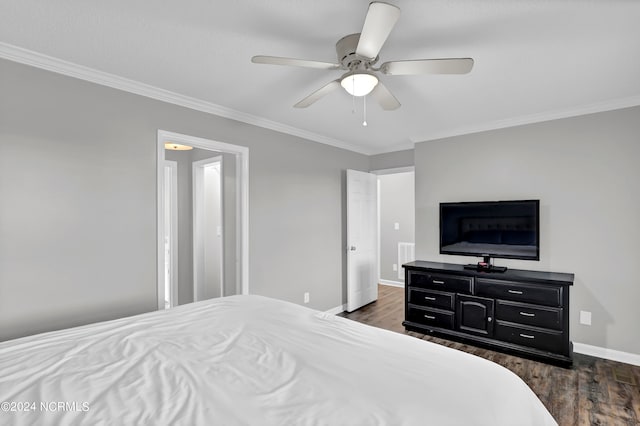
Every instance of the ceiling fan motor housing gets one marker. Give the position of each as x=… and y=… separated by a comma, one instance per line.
x=349, y=60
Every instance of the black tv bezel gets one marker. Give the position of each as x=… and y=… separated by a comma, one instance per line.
x=493, y=255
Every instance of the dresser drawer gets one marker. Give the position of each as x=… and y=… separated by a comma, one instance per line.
x=519, y=292
x=432, y=298
x=539, y=316
x=546, y=340
x=431, y=317
x=452, y=283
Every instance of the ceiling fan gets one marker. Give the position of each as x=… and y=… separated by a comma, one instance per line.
x=358, y=53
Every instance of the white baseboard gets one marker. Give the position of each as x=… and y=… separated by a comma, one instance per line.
x=611, y=354
x=337, y=310
x=391, y=283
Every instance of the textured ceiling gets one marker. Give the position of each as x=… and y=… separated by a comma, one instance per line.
x=534, y=60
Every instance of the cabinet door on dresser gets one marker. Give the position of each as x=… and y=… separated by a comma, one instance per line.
x=475, y=315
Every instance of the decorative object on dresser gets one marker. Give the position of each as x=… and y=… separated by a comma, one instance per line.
x=517, y=311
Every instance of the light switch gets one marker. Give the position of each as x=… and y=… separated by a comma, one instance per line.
x=585, y=317
x=396, y=226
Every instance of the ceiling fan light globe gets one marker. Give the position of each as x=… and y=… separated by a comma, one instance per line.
x=359, y=84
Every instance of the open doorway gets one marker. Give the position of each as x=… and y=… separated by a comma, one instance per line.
x=209, y=235
x=396, y=223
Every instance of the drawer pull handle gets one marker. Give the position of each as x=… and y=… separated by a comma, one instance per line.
x=527, y=336
x=438, y=282
x=429, y=317
x=429, y=298
x=527, y=314
x=515, y=292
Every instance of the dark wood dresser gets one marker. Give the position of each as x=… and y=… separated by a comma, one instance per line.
x=517, y=311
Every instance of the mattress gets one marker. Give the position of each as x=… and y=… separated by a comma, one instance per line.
x=252, y=360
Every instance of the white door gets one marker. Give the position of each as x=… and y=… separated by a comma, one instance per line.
x=362, y=239
x=170, y=234
x=208, y=271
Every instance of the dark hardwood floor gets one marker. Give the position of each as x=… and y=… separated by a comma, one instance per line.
x=594, y=391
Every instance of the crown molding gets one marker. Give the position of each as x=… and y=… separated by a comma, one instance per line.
x=49, y=63
x=596, y=107
x=70, y=69
x=403, y=146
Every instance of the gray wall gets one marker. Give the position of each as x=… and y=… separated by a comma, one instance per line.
x=391, y=160
x=585, y=172
x=396, y=206
x=78, y=209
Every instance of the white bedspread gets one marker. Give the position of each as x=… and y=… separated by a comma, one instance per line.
x=251, y=360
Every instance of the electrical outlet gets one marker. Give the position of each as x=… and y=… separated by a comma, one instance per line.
x=395, y=266
x=306, y=297
x=585, y=317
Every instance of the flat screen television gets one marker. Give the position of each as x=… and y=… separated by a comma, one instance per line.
x=502, y=229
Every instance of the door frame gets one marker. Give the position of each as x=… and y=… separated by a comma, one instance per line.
x=242, y=204
x=197, y=170
x=173, y=230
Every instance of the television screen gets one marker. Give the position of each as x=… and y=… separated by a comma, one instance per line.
x=504, y=229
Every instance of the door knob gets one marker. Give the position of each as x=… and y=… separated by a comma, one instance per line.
x=352, y=248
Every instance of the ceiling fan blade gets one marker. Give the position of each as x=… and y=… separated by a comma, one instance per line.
x=428, y=66
x=384, y=97
x=315, y=96
x=380, y=20
x=276, y=60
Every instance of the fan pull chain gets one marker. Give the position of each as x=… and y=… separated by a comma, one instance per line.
x=364, y=102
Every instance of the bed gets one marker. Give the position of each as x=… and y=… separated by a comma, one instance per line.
x=252, y=360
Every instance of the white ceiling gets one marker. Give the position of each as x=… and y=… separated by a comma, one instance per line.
x=534, y=60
